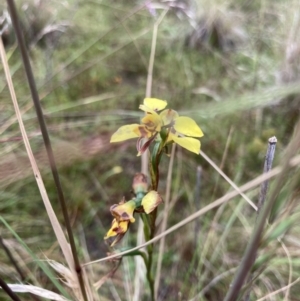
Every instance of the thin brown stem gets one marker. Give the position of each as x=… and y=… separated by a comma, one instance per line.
x=8, y=291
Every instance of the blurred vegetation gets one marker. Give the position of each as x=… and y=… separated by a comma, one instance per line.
x=233, y=66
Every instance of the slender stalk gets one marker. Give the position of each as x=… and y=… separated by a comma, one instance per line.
x=41, y=120
x=8, y=290
x=253, y=244
x=227, y=178
x=263, y=192
x=164, y=221
x=145, y=156
x=198, y=204
x=154, y=171
x=149, y=272
x=267, y=167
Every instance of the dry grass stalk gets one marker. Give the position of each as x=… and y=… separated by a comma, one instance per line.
x=227, y=179
x=51, y=214
x=23, y=288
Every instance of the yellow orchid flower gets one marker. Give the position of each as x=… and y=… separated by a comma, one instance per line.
x=117, y=230
x=123, y=211
x=123, y=216
x=181, y=128
x=150, y=125
x=143, y=201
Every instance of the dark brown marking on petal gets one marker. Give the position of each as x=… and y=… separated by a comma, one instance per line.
x=124, y=215
x=119, y=230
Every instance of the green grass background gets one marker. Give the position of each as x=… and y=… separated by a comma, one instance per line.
x=240, y=83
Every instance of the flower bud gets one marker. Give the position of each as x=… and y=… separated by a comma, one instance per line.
x=139, y=184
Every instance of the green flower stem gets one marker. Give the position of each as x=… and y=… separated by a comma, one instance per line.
x=149, y=274
x=148, y=262
x=149, y=271
x=154, y=173
x=140, y=253
x=146, y=226
x=154, y=161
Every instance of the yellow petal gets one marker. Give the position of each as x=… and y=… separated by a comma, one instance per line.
x=117, y=228
x=150, y=201
x=112, y=231
x=125, y=132
x=123, y=227
x=147, y=110
x=117, y=231
x=187, y=126
x=168, y=116
x=155, y=104
x=191, y=144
